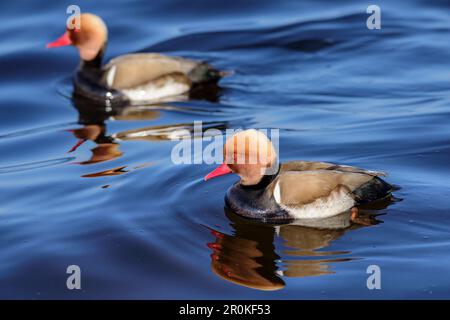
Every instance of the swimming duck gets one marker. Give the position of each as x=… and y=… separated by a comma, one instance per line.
x=137, y=77
x=274, y=192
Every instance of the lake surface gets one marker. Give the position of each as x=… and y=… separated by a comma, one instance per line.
x=142, y=227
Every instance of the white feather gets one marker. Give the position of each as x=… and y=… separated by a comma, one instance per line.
x=277, y=193
x=153, y=92
x=337, y=202
x=110, y=76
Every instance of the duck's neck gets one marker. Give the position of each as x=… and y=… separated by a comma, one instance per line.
x=94, y=64
x=265, y=180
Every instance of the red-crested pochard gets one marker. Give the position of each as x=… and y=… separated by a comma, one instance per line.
x=274, y=192
x=138, y=77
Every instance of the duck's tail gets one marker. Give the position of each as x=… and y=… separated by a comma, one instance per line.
x=205, y=73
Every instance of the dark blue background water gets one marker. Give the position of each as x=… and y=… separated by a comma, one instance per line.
x=139, y=226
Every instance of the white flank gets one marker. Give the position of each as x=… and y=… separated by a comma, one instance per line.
x=110, y=76
x=152, y=92
x=277, y=193
x=337, y=202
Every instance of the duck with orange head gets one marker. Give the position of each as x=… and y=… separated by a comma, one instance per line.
x=131, y=78
x=274, y=192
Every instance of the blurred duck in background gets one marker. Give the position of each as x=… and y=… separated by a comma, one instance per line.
x=132, y=78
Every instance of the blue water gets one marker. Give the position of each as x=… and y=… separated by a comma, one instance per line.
x=139, y=226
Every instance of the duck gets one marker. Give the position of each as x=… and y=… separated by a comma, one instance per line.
x=276, y=192
x=130, y=78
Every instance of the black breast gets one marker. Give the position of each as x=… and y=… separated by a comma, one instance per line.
x=255, y=202
x=87, y=84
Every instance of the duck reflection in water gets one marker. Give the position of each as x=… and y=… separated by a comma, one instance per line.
x=93, y=119
x=250, y=258
x=105, y=149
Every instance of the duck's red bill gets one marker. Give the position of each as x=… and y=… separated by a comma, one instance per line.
x=62, y=41
x=219, y=171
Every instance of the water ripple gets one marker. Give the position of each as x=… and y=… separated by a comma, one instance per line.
x=34, y=165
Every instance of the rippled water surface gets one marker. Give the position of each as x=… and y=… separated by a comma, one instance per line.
x=141, y=227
